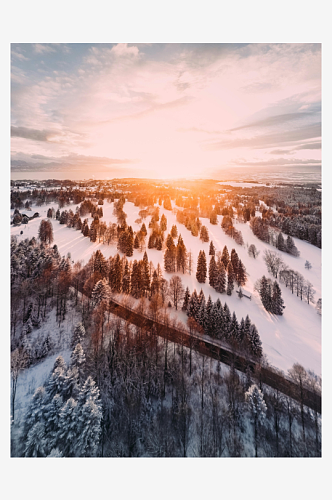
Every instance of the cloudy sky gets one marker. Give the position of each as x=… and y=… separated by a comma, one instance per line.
x=165, y=110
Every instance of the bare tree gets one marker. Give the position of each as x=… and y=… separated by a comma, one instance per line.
x=17, y=363
x=176, y=291
x=274, y=262
x=252, y=251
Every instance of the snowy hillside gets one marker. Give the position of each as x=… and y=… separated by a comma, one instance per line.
x=293, y=337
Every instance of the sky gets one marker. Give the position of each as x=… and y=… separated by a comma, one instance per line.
x=165, y=110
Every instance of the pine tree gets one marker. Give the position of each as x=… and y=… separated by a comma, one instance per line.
x=241, y=275
x=145, y=275
x=126, y=280
x=280, y=242
x=225, y=256
x=220, y=284
x=277, y=301
x=130, y=243
x=193, y=305
x=233, y=332
x=68, y=428
x=227, y=318
x=230, y=279
x=257, y=406
x=201, y=313
x=136, y=242
x=212, y=250
x=213, y=272
x=100, y=292
x=136, y=280
x=255, y=342
x=78, y=360
x=78, y=335
x=204, y=234
x=174, y=231
x=235, y=261
x=186, y=299
x=201, y=267
x=208, y=317
x=181, y=256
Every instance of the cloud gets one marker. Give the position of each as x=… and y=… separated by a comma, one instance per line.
x=32, y=134
x=43, y=48
x=283, y=137
x=277, y=162
x=273, y=120
x=68, y=162
x=310, y=145
x=18, y=55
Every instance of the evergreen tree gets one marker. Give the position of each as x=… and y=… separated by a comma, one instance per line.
x=241, y=275
x=235, y=261
x=230, y=279
x=220, y=284
x=174, y=231
x=181, y=256
x=201, y=267
x=225, y=256
x=277, y=301
x=78, y=335
x=212, y=250
x=145, y=275
x=213, y=273
x=227, y=318
x=233, y=333
x=136, y=242
x=130, y=243
x=136, y=280
x=204, y=234
x=208, y=317
x=100, y=292
x=68, y=428
x=186, y=299
x=126, y=280
x=280, y=244
x=193, y=305
x=255, y=342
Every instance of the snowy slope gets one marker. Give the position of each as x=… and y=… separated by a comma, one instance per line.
x=293, y=337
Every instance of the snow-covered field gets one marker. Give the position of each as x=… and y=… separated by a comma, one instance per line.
x=293, y=337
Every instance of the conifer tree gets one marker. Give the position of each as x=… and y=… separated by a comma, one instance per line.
x=130, y=243
x=193, y=305
x=126, y=280
x=277, y=302
x=225, y=256
x=174, y=231
x=280, y=244
x=78, y=334
x=227, y=318
x=241, y=275
x=145, y=275
x=136, y=242
x=233, y=333
x=208, y=317
x=204, y=234
x=230, y=279
x=212, y=250
x=159, y=243
x=220, y=284
x=181, y=256
x=235, y=261
x=213, y=272
x=201, y=267
x=136, y=280
x=186, y=299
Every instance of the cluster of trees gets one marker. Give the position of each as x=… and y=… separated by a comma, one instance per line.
x=225, y=271
x=261, y=229
x=293, y=279
x=45, y=232
x=109, y=399
x=64, y=416
x=176, y=257
x=189, y=217
x=216, y=321
x=270, y=295
x=229, y=229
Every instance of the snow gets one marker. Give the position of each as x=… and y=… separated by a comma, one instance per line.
x=238, y=184
x=293, y=337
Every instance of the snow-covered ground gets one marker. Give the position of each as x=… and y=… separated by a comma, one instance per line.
x=293, y=337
